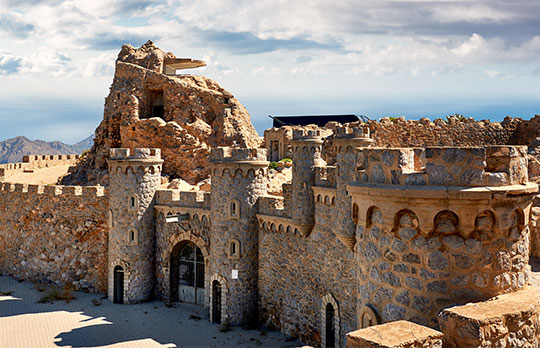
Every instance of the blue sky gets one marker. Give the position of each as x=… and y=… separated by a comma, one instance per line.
x=376, y=58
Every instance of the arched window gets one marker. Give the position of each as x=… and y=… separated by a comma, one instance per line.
x=234, y=249
x=133, y=236
x=234, y=209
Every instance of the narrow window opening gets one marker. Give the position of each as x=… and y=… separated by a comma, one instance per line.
x=234, y=209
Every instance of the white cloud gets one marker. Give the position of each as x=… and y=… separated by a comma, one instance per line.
x=9, y=63
x=100, y=65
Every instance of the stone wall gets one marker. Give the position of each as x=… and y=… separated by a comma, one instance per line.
x=291, y=292
x=510, y=320
x=442, y=166
x=44, y=161
x=54, y=234
x=420, y=133
x=296, y=273
x=31, y=162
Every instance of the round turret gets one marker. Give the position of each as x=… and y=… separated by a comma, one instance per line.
x=134, y=180
x=239, y=177
x=307, y=145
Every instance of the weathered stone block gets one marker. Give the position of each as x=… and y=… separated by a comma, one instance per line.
x=510, y=320
x=395, y=335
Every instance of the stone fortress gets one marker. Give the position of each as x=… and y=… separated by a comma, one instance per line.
x=414, y=233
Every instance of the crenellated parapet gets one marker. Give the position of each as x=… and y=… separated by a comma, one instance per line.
x=326, y=176
x=238, y=163
x=52, y=190
x=444, y=166
x=451, y=234
x=139, y=162
x=347, y=139
x=32, y=162
x=42, y=161
x=231, y=155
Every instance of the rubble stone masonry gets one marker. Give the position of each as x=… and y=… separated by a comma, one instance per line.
x=54, y=234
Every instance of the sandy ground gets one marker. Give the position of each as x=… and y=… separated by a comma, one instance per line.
x=24, y=323
x=44, y=176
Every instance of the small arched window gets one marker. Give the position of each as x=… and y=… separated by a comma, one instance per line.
x=234, y=209
x=133, y=202
x=133, y=236
x=234, y=249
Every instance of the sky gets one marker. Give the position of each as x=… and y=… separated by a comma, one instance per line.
x=278, y=57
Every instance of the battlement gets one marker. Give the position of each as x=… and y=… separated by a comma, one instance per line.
x=124, y=154
x=326, y=176
x=40, y=161
x=444, y=166
x=32, y=162
x=306, y=134
x=352, y=132
x=271, y=205
x=227, y=154
x=192, y=199
x=53, y=190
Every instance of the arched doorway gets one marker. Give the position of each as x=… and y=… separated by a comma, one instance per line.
x=216, y=302
x=118, y=285
x=330, y=326
x=187, y=273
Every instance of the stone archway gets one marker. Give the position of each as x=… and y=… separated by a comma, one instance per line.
x=176, y=241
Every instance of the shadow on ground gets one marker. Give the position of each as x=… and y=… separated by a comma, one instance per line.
x=80, y=323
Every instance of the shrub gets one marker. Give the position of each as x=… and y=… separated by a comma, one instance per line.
x=54, y=294
x=225, y=327
x=272, y=165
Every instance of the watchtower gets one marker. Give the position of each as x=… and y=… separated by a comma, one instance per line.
x=239, y=177
x=307, y=145
x=134, y=180
x=346, y=141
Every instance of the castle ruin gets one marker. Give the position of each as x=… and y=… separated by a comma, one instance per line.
x=423, y=227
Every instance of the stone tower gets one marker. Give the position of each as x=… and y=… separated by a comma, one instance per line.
x=134, y=180
x=238, y=179
x=347, y=140
x=306, y=146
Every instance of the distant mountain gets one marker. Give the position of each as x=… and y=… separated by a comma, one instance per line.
x=12, y=150
x=83, y=145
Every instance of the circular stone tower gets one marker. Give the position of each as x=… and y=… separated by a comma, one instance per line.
x=307, y=145
x=134, y=180
x=239, y=177
x=347, y=141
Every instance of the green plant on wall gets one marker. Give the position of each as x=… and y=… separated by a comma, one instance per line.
x=272, y=165
x=460, y=117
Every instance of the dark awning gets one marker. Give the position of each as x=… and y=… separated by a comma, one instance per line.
x=319, y=120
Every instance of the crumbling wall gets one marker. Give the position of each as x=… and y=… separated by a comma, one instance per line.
x=54, y=234
x=185, y=116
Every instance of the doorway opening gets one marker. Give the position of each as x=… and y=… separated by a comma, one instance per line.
x=187, y=274
x=118, y=285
